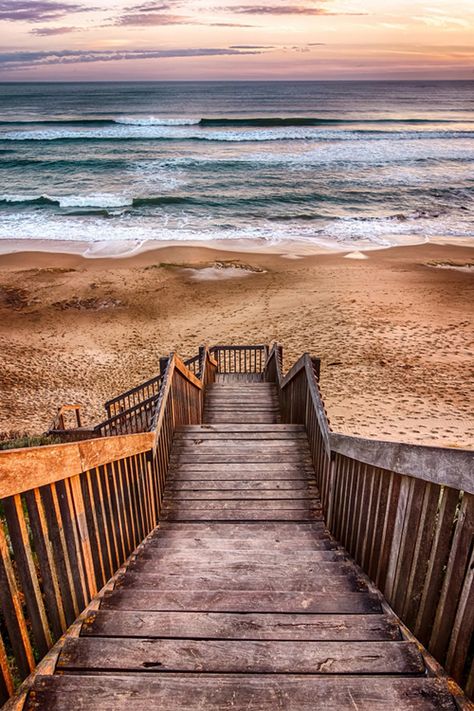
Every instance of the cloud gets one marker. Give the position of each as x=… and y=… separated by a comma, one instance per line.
x=252, y=46
x=154, y=14
x=37, y=10
x=148, y=19
x=50, y=31
x=284, y=10
x=28, y=59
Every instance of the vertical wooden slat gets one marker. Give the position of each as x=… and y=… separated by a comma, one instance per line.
x=361, y=520
x=371, y=531
x=27, y=573
x=80, y=520
x=57, y=537
x=408, y=540
x=6, y=681
x=453, y=580
x=95, y=488
x=388, y=528
x=72, y=542
x=421, y=552
x=463, y=627
x=114, y=506
x=374, y=561
x=93, y=529
x=437, y=564
x=107, y=508
x=122, y=507
x=47, y=562
x=12, y=611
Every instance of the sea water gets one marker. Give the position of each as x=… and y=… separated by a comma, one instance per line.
x=334, y=164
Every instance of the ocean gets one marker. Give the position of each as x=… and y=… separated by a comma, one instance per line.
x=347, y=165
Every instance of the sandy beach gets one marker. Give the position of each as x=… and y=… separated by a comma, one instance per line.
x=394, y=330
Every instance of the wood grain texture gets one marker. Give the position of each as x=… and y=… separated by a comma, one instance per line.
x=220, y=656
x=193, y=692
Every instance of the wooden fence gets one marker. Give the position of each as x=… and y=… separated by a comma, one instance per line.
x=71, y=514
x=405, y=513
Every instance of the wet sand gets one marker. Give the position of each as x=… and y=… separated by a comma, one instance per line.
x=394, y=332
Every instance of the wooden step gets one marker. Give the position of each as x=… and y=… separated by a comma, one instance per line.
x=221, y=580
x=243, y=656
x=249, y=692
x=254, y=626
x=242, y=428
x=226, y=555
x=262, y=495
x=268, y=601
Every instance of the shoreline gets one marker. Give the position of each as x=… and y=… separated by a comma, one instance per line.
x=393, y=332
x=292, y=249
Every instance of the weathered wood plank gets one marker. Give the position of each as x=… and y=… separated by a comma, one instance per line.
x=241, y=428
x=234, y=555
x=238, y=546
x=212, y=446
x=254, y=626
x=218, y=692
x=241, y=495
x=240, y=656
x=258, y=568
x=246, y=506
x=249, y=581
x=276, y=531
x=260, y=487
x=234, y=516
x=245, y=457
x=220, y=437
x=244, y=472
x=192, y=600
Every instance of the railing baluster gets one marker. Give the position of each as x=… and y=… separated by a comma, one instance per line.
x=12, y=611
x=46, y=562
x=26, y=571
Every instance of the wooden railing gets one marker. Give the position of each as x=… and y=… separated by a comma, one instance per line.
x=138, y=418
x=71, y=514
x=404, y=512
x=133, y=397
x=240, y=359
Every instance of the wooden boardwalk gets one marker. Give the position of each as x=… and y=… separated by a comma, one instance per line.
x=240, y=599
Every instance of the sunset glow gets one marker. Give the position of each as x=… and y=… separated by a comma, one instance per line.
x=236, y=39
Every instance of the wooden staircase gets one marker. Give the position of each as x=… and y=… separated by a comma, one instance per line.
x=241, y=402
x=241, y=599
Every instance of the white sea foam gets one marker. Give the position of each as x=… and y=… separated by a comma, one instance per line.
x=98, y=200
x=14, y=199
x=156, y=121
x=340, y=235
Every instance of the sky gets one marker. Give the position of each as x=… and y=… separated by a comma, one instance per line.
x=71, y=40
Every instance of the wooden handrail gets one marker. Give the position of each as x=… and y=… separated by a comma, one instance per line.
x=131, y=391
x=32, y=467
x=439, y=465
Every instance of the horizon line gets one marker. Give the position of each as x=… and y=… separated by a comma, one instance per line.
x=234, y=81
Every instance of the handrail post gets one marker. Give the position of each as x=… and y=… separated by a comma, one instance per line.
x=317, y=367
x=202, y=360
x=163, y=364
